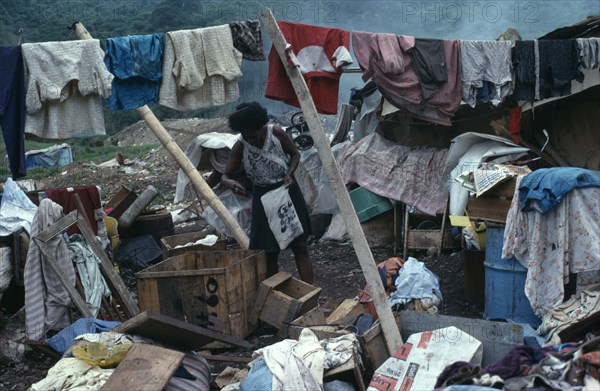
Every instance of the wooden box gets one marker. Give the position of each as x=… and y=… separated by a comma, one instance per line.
x=379, y=231
x=372, y=342
x=493, y=205
x=195, y=285
x=168, y=243
x=282, y=298
x=423, y=239
x=120, y=202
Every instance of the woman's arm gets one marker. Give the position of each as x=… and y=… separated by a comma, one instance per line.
x=289, y=148
x=233, y=165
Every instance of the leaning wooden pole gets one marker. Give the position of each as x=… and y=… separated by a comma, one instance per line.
x=187, y=167
x=361, y=247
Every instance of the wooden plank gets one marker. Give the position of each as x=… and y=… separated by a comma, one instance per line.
x=222, y=358
x=234, y=297
x=170, y=297
x=296, y=288
x=373, y=347
x=487, y=208
x=216, y=300
x=148, y=296
x=351, y=366
x=261, y=298
x=346, y=313
x=58, y=227
x=113, y=280
x=310, y=301
x=276, y=307
x=289, y=317
x=359, y=242
x=146, y=367
x=277, y=279
x=175, y=333
x=79, y=302
x=181, y=273
x=194, y=300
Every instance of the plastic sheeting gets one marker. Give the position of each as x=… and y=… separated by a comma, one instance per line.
x=240, y=208
x=193, y=152
x=465, y=154
x=415, y=281
x=54, y=156
x=414, y=176
x=16, y=210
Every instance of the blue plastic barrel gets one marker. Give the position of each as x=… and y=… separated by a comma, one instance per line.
x=505, y=284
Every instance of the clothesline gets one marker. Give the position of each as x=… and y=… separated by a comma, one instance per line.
x=191, y=69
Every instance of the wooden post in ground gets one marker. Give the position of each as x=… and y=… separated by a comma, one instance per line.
x=171, y=146
x=361, y=247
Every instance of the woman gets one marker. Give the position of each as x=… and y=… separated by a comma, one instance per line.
x=270, y=159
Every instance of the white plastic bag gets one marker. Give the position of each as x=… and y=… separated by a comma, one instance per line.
x=282, y=216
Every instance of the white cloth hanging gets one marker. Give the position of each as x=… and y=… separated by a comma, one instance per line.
x=65, y=83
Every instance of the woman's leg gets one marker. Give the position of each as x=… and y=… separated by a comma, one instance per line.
x=303, y=262
x=272, y=264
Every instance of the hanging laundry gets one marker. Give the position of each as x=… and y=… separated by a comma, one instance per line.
x=12, y=108
x=136, y=63
x=430, y=65
x=201, y=68
x=545, y=69
x=65, y=84
x=589, y=52
x=386, y=59
x=486, y=64
x=321, y=54
x=247, y=38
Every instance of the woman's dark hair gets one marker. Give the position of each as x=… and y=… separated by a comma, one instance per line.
x=249, y=117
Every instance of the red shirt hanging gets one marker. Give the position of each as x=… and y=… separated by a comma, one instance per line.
x=321, y=53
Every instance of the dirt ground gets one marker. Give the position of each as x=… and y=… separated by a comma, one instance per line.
x=337, y=270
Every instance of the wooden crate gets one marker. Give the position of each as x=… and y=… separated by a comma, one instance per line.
x=493, y=205
x=197, y=285
x=372, y=341
x=423, y=239
x=168, y=243
x=120, y=202
x=282, y=298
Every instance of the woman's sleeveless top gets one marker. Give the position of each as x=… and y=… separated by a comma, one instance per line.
x=266, y=165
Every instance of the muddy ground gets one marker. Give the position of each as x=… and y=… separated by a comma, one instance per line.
x=337, y=270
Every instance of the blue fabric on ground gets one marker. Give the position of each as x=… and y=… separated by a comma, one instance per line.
x=544, y=189
x=61, y=341
x=259, y=378
x=136, y=63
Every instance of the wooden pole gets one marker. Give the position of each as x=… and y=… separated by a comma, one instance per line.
x=171, y=146
x=361, y=247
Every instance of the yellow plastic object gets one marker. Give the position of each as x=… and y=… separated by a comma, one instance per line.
x=112, y=231
x=101, y=355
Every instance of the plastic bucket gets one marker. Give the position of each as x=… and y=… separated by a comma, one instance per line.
x=505, y=284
